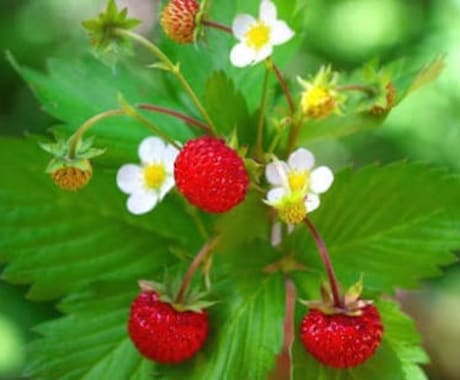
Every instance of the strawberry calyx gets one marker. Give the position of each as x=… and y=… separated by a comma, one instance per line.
x=352, y=304
x=194, y=299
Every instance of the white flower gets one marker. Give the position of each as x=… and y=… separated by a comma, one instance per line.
x=296, y=187
x=257, y=37
x=148, y=183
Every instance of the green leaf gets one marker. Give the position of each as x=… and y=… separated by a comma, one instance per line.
x=397, y=358
x=58, y=240
x=91, y=341
x=237, y=226
x=408, y=83
x=226, y=105
x=396, y=224
x=338, y=126
x=72, y=92
x=246, y=332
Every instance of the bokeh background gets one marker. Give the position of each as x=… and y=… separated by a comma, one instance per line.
x=346, y=33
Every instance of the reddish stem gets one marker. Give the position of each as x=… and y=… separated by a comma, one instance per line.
x=327, y=263
x=285, y=88
x=199, y=258
x=216, y=25
x=177, y=115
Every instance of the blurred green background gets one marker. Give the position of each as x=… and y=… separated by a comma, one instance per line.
x=346, y=33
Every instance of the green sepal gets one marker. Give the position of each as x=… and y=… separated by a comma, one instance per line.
x=59, y=163
x=354, y=292
x=61, y=150
x=168, y=290
x=102, y=32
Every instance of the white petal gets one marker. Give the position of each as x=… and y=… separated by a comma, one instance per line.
x=263, y=53
x=301, y=159
x=129, y=178
x=321, y=179
x=290, y=228
x=169, y=156
x=168, y=184
x=312, y=202
x=280, y=33
x=276, y=172
x=276, y=237
x=242, y=55
x=141, y=202
x=267, y=11
x=274, y=195
x=151, y=149
x=241, y=24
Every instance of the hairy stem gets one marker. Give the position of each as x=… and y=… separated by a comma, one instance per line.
x=338, y=302
x=189, y=120
x=76, y=137
x=199, y=258
x=172, y=68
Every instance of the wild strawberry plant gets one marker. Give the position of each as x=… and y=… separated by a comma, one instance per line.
x=193, y=179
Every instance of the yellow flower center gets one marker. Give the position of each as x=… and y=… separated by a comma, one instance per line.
x=154, y=175
x=257, y=36
x=298, y=180
x=293, y=212
x=318, y=102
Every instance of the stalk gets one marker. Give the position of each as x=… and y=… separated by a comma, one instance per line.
x=170, y=67
x=76, y=137
x=178, y=115
x=334, y=284
x=199, y=258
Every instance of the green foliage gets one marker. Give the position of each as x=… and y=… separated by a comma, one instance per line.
x=396, y=224
x=372, y=221
x=86, y=237
x=226, y=105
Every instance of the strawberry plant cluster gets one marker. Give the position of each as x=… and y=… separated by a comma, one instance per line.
x=296, y=263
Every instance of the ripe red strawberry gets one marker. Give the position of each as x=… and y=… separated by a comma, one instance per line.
x=164, y=334
x=340, y=340
x=178, y=20
x=210, y=174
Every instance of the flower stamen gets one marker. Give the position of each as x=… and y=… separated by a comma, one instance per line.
x=154, y=175
x=258, y=36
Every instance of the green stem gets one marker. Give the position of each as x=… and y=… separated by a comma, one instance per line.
x=172, y=68
x=189, y=120
x=357, y=87
x=294, y=133
x=338, y=302
x=76, y=137
x=199, y=258
x=260, y=124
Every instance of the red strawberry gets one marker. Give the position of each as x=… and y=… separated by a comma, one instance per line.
x=340, y=340
x=164, y=334
x=210, y=174
x=178, y=20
